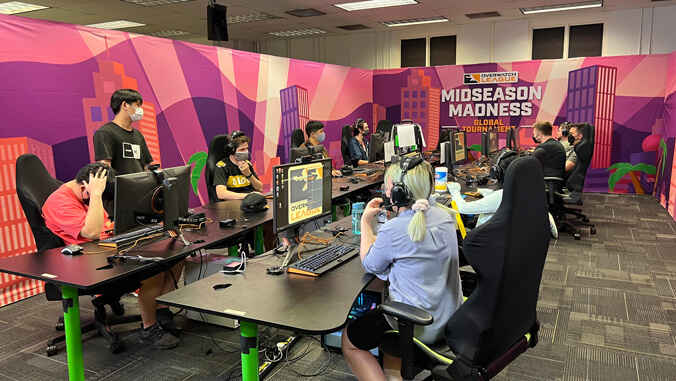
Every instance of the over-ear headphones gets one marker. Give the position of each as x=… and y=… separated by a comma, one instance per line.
x=497, y=172
x=400, y=195
x=565, y=129
x=355, y=127
x=230, y=145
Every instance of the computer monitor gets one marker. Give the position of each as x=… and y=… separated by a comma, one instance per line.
x=445, y=135
x=377, y=148
x=317, y=152
x=513, y=139
x=407, y=138
x=302, y=192
x=458, y=147
x=493, y=142
x=140, y=198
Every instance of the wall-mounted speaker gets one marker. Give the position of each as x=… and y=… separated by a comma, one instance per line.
x=217, y=23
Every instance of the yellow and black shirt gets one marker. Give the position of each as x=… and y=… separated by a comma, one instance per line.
x=229, y=174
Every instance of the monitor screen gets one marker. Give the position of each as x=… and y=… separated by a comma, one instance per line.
x=445, y=135
x=302, y=192
x=139, y=197
x=493, y=143
x=459, y=146
x=297, y=153
x=377, y=148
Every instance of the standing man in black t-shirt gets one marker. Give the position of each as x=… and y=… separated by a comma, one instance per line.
x=235, y=176
x=555, y=154
x=117, y=143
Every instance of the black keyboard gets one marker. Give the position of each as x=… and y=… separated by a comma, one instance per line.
x=444, y=200
x=330, y=257
x=130, y=237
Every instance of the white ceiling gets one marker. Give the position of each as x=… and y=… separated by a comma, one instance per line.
x=190, y=16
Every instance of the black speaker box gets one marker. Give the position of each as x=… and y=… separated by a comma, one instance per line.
x=217, y=24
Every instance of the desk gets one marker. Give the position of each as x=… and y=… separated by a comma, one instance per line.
x=312, y=305
x=91, y=271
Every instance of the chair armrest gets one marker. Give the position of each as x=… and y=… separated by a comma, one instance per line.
x=553, y=179
x=406, y=312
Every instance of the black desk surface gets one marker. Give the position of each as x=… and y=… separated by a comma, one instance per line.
x=314, y=305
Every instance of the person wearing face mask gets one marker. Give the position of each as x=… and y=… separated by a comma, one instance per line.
x=359, y=147
x=555, y=154
x=235, y=177
x=574, y=137
x=315, y=137
x=117, y=143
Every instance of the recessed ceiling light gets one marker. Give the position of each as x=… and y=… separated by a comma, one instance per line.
x=301, y=32
x=150, y=3
x=562, y=7
x=14, y=7
x=307, y=12
x=168, y=33
x=251, y=18
x=370, y=4
x=119, y=24
x=482, y=15
x=427, y=20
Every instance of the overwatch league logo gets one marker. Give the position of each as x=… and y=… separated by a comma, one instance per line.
x=490, y=78
x=471, y=79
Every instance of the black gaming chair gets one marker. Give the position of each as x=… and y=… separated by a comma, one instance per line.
x=344, y=146
x=33, y=186
x=216, y=154
x=297, y=138
x=498, y=321
x=385, y=128
x=572, y=193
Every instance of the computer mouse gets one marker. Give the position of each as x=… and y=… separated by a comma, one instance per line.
x=275, y=270
x=72, y=249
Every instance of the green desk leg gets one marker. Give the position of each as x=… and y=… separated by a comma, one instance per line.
x=233, y=251
x=346, y=210
x=259, y=241
x=249, y=349
x=71, y=320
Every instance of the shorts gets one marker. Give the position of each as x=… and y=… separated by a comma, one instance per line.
x=365, y=332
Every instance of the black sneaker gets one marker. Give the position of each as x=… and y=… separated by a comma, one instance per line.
x=166, y=320
x=158, y=338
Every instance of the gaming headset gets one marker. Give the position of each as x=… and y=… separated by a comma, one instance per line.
x=497, y=172
x=565, y=129
x=355, y=127
x=230, y=146
x=400, y=195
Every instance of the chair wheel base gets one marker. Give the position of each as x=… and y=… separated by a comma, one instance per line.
x=592, y=230
x=577, y=236
x=60, y=326
x=51, y=350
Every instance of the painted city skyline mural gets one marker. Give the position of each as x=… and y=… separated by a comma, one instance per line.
x=56, y=91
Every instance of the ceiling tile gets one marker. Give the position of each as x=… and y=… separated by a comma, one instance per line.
x=52, y=14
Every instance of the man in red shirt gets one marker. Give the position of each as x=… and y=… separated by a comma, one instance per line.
x=75, y=213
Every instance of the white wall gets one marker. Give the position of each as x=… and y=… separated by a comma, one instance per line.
x=626, y=32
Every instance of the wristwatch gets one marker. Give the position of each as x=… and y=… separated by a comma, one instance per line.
x=248, y=177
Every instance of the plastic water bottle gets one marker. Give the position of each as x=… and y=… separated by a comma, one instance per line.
x=357, y=211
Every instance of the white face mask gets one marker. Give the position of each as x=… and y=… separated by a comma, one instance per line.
x=137, y=115
x=242, y=156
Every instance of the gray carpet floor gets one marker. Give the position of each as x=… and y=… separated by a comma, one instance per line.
x=607, y=307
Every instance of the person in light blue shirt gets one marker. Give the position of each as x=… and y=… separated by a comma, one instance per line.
x=417, y=251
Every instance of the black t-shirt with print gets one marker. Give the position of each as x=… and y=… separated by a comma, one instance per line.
x=228, y=174
x=126, y=150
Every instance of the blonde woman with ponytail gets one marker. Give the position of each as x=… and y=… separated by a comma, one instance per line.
x=417, y=251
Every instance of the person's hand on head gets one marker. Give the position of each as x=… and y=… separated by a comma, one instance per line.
x=372, y=208
x=97, y=182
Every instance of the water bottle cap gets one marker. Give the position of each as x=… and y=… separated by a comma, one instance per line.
x=358, y=205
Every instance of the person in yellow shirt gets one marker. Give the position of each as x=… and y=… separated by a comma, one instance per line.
x=235, y=177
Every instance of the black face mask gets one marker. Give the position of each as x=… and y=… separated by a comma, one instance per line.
x=535, y=140
x=571, y=139
x=366, y=132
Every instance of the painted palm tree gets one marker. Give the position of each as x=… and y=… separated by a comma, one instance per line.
x=200, y=160
x=622, y=169
x=660, y=163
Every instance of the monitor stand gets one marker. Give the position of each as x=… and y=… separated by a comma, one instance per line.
x=291, y=235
